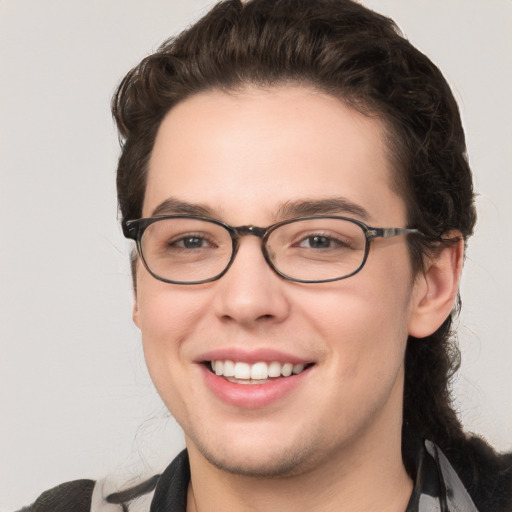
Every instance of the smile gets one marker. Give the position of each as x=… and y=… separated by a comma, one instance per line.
x=244, y=373
x=254, y=385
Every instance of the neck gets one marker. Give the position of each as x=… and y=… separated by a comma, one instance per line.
x=363, y=476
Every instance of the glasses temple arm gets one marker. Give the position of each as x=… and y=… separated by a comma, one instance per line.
x=390, y=232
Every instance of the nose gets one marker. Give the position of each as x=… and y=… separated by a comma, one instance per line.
x=251, y=293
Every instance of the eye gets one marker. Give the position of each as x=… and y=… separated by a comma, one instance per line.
x=316, y=242
x=191, y=242
x=322, y=242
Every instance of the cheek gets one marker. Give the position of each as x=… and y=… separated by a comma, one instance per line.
x=364, y=321
x=166, y=316
x=165, y=310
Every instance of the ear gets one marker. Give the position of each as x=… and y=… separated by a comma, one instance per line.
x=135, y=311
x=436, y=287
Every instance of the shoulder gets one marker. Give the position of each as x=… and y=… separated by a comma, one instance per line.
x=487, y=475
x=108, y=495
x=166, y=491
x=75, y=496
x=457, y=477
x=95, y=496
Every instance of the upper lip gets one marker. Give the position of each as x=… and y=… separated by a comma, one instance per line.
x=251, y=356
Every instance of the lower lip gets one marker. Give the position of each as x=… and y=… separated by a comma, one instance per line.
x=252, y=396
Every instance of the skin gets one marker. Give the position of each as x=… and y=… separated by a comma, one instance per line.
x=333, y=442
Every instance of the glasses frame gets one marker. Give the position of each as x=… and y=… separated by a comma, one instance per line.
x=134, y=230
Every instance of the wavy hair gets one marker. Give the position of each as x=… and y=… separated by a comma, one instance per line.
x=346, y=50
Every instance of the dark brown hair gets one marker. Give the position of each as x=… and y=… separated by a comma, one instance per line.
x=359, y=56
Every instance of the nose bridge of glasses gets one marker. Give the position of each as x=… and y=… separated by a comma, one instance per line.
x=250, y=230
x=240, y=231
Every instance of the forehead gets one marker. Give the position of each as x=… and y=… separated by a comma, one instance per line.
x=257, y=149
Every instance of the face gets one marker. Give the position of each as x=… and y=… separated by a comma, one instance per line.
x=242, y=158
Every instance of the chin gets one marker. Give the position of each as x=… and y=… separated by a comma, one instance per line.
x=260, y=460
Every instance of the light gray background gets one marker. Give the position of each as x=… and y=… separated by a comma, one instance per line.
x=75, y=399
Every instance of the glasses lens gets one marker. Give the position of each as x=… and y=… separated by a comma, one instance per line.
x=320, y=249
x=186, y=250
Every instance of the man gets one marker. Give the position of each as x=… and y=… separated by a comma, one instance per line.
x=294, y=176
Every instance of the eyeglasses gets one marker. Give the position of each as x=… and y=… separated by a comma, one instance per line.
x=182, y=249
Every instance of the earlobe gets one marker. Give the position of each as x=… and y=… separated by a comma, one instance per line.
x=436, y=287
x=135, y=310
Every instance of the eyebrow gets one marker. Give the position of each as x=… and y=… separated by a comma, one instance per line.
x=173, y=206
x=328, y=206
x=288, y=210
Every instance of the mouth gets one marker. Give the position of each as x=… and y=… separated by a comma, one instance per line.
x=262, y=372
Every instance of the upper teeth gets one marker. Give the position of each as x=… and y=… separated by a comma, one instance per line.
x=256, y=371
